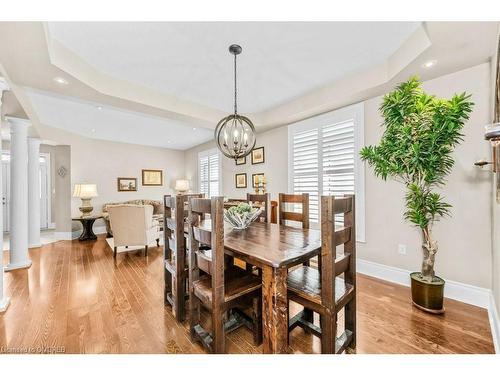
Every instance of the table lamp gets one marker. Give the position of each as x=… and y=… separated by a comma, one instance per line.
x=182, y=186
x=85, y=192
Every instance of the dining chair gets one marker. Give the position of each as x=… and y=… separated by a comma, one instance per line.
x=322, y=290
x=263, y=199
x=292, y=216
x=174, y=253
x=226, y=289
x=287, y=216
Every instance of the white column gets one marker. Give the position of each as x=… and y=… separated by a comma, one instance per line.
x=4, y=301
x=18, y=194
x=34, y=192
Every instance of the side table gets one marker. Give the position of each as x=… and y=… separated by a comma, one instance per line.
x=87, y=223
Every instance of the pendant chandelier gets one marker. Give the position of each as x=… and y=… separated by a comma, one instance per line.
x=235, y=134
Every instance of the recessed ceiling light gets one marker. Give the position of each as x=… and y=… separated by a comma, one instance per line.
x=92, y=130
x=60, y=80
x=99, y=107
x=429, y=64
x=194, y=128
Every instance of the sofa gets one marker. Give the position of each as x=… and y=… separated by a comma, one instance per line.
x=157, y=210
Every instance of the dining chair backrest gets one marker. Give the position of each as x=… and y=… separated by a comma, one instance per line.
x=332, y=266
x=174, y=214
x=263, y=199
x=173, y=226
x=208, y=233
x=301, y=217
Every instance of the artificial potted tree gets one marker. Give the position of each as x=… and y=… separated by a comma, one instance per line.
x=421, y=132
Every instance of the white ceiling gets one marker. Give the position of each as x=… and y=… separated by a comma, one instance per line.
x=156, y=81
x=280, y=61
x=108, y=123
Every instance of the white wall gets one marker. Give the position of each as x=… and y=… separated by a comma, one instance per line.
x=464, y=239
x=101, y=162
x=495, y=207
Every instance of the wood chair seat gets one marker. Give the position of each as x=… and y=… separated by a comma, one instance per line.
x=238, y=282
x=305, y=283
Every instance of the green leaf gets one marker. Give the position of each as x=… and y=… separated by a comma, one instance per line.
x=420, y=135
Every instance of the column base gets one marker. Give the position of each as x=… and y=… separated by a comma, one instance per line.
x=17, y=266
x=4, y=303
x=31, y=246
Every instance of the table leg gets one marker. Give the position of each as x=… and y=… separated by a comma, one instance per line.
x=87, y=233
x=274, y=310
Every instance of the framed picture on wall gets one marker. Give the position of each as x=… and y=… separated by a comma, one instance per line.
x=241, y=161
x=241, y=180
x=258, y=155
x=127, y=183
x=152, y=177
x=256, y=178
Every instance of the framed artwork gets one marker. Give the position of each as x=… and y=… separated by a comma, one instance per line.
x=152, y=177
x=241, y=180
x=241, y=161
x=256, y=178
x=258, y=155
x=127, y=183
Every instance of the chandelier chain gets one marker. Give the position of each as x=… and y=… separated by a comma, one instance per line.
x=235, y=88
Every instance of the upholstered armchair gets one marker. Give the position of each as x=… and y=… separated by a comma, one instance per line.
x=157, y=210
x=133, y=225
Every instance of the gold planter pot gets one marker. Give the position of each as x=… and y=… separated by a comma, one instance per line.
x=427, y=296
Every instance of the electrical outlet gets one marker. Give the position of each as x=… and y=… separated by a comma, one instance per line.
x=402, y=249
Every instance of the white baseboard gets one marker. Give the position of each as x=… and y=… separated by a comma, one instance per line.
x=453, y=289
x=494, y=323
x=52, y=226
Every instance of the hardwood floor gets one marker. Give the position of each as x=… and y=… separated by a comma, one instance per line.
x=76, y=299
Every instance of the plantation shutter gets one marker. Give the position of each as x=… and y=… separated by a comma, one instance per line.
x=337, y=144
x=324, y=156
x=305, y=161
x=203, y=175
x=213, y=168
x=209, y=173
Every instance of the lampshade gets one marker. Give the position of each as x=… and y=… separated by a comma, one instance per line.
x=182, y=185
x=85, y=190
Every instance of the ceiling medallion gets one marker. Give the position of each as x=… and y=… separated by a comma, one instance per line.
x=235, y=134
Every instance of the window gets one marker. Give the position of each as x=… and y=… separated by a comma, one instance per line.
x=209, y=170
x=324, y=159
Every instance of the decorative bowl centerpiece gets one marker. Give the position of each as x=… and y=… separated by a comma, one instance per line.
x=241, y=216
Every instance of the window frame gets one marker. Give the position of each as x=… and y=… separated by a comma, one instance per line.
x=355, y=113
x=208, y=153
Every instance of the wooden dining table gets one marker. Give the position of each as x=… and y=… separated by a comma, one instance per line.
x=274, y=248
